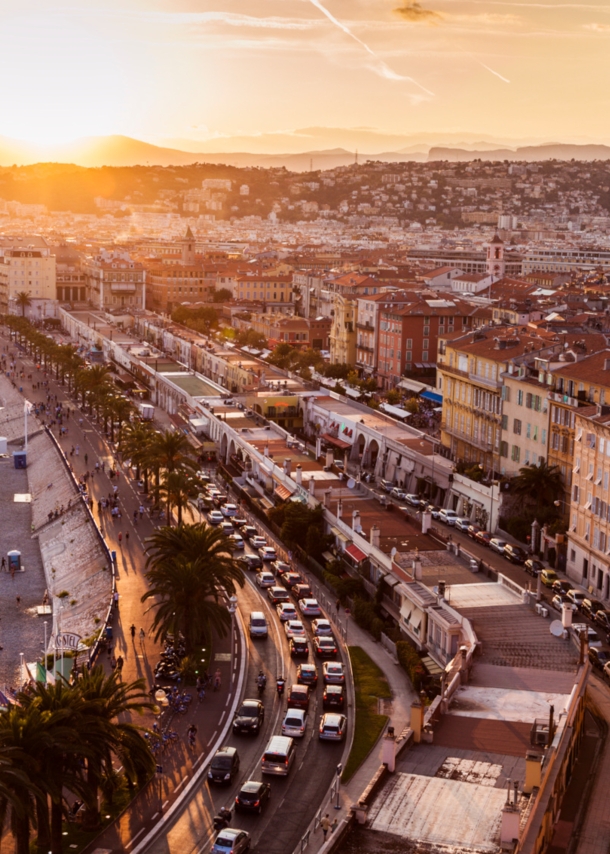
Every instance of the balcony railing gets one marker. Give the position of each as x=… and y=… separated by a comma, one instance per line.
x=467, y=437
x=486, y=381
x=125, y=287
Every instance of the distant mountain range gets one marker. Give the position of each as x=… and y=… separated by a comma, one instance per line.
x=125, y=151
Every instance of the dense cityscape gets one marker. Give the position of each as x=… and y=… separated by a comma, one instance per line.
x=267, y=429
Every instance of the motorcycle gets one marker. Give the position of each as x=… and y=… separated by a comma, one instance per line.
x=261, y=683
x=223, y=819
x=280, y=685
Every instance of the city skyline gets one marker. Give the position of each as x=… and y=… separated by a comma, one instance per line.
x=193, y=73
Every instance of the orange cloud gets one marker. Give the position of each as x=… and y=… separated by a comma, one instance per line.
x=413, y=11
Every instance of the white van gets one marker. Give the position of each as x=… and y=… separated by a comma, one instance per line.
x=258, y=625
x=386, y=485
x=278, y=756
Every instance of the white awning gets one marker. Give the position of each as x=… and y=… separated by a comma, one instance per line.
x=412, y=385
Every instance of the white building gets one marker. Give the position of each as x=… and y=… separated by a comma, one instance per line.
x=26, y=266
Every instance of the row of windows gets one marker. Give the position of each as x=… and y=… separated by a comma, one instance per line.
x=564, y=417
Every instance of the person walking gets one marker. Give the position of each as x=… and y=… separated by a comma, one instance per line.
x=142, y=635
x=325, y=825
x=217, y=679
x=120, y=539
x=133, y=631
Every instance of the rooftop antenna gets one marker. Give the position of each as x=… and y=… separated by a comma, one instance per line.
x=356, y=160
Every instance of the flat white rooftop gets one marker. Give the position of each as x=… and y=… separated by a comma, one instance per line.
x=443, y=814
x=500, y=704
x=480, y=595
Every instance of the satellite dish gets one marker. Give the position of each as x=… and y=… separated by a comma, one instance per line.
x=556, y=628
x=351, y=483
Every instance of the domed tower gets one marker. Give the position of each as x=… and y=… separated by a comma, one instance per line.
x=188, y=248
x=495, y=257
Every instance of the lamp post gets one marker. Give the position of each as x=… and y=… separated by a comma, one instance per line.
x=232, y=610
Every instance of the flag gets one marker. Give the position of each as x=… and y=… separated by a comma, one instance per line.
x=27, y=407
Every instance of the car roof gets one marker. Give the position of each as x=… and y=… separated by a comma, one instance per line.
x=334, y=688
x=333, y=664
x=333, y=717
x=303, y=689
x=226, y=751
x=252, y=786
x=251, y=702
x=307, y=666
x=297, y=712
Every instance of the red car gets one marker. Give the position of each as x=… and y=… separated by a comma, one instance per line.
x=483, y=537
x=298, y=697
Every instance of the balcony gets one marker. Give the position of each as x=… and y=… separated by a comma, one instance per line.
x=366, y=327
x=365, y=348
x=486, y=381
x=467, y=437
x=123, y=287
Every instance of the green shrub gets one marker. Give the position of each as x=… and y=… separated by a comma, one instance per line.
x=377, y=626
x=364, y=613
x=411, y=663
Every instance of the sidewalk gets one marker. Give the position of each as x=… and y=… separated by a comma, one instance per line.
x=178, y=761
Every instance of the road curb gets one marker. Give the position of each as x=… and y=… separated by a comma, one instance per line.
x=169, y=817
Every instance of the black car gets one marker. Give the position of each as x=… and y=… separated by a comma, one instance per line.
x=291, y=579
x=603, y=619
x=299, y=648
x=249, y=531
x=250, y=562
x=533, y=566
x=561, y=586
x=277, y=595
x=333, y=697
x=302, y=591
x=224, y=765
x=598, y=657
x=515, y=554
x=307, y=674
x=249, y=717
x=252, y=797
x=325, y=646
x=590, y=607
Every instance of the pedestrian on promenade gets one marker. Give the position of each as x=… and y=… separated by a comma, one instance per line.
x=113, y=665
x=133, y=631
x=115, y=599
x=86, y=458
x=3, y=564
x=217, y=679
x=18, y=598
x=141, y=510
x=338, y=605
x=120, y=539
x=142, y=635
x=126, y=537
x=325, y=825
x=119, y=665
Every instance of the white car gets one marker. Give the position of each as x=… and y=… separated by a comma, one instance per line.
x=412, y=499
x=448, y=516
x=295, y=723
x=267, y=553
x=294, y=627
x=257, y=542
x=322, y=627
x=265, y=579
x=592, y=636
x=399, y=493
x=497, y=545
x=215, y=517
x=462, y=523
x=226, y=527
x=238, y=542
x=229, y=510
x=309, y=607
x=286, y=611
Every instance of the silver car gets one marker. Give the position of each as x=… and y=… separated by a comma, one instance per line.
x=231, y=840
x=295, y=723
x=497, y=545
x=332, y=727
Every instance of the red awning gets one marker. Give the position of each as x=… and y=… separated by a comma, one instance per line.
x=282, y=492
x=354, y=552
x=338, y=443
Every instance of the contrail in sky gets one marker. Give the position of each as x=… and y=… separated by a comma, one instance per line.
x=383, y=69
x=491, y=71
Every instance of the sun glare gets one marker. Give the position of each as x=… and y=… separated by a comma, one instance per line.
x=70, y=86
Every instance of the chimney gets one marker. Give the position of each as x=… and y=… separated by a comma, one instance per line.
x=266, y=450
x=287, y=466
x=533, y=771
x=329, y=457
x=375, y=536
x=416, y=565
x=298, y=475
x=312, y=486
x=327, y=494
x=355, y=520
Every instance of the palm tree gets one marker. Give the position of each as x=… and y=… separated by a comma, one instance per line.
x=61, y=765
x=189, y=568
x=177, y=487
x=541, y=483
x=107, y=701
x=135, y=439
x=170, y=451
x=23, y=300
x=29, y=733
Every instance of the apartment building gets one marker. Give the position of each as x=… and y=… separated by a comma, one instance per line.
x=298, y=331
x=408, y=334
x=588, y=558
x=115, y=281
x=26, y=266
x=367, y=325
x=343, y=330
x=470, y=378
x=524, y=421
x=275, y=291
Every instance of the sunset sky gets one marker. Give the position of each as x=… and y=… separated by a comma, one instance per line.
x=217, y=69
